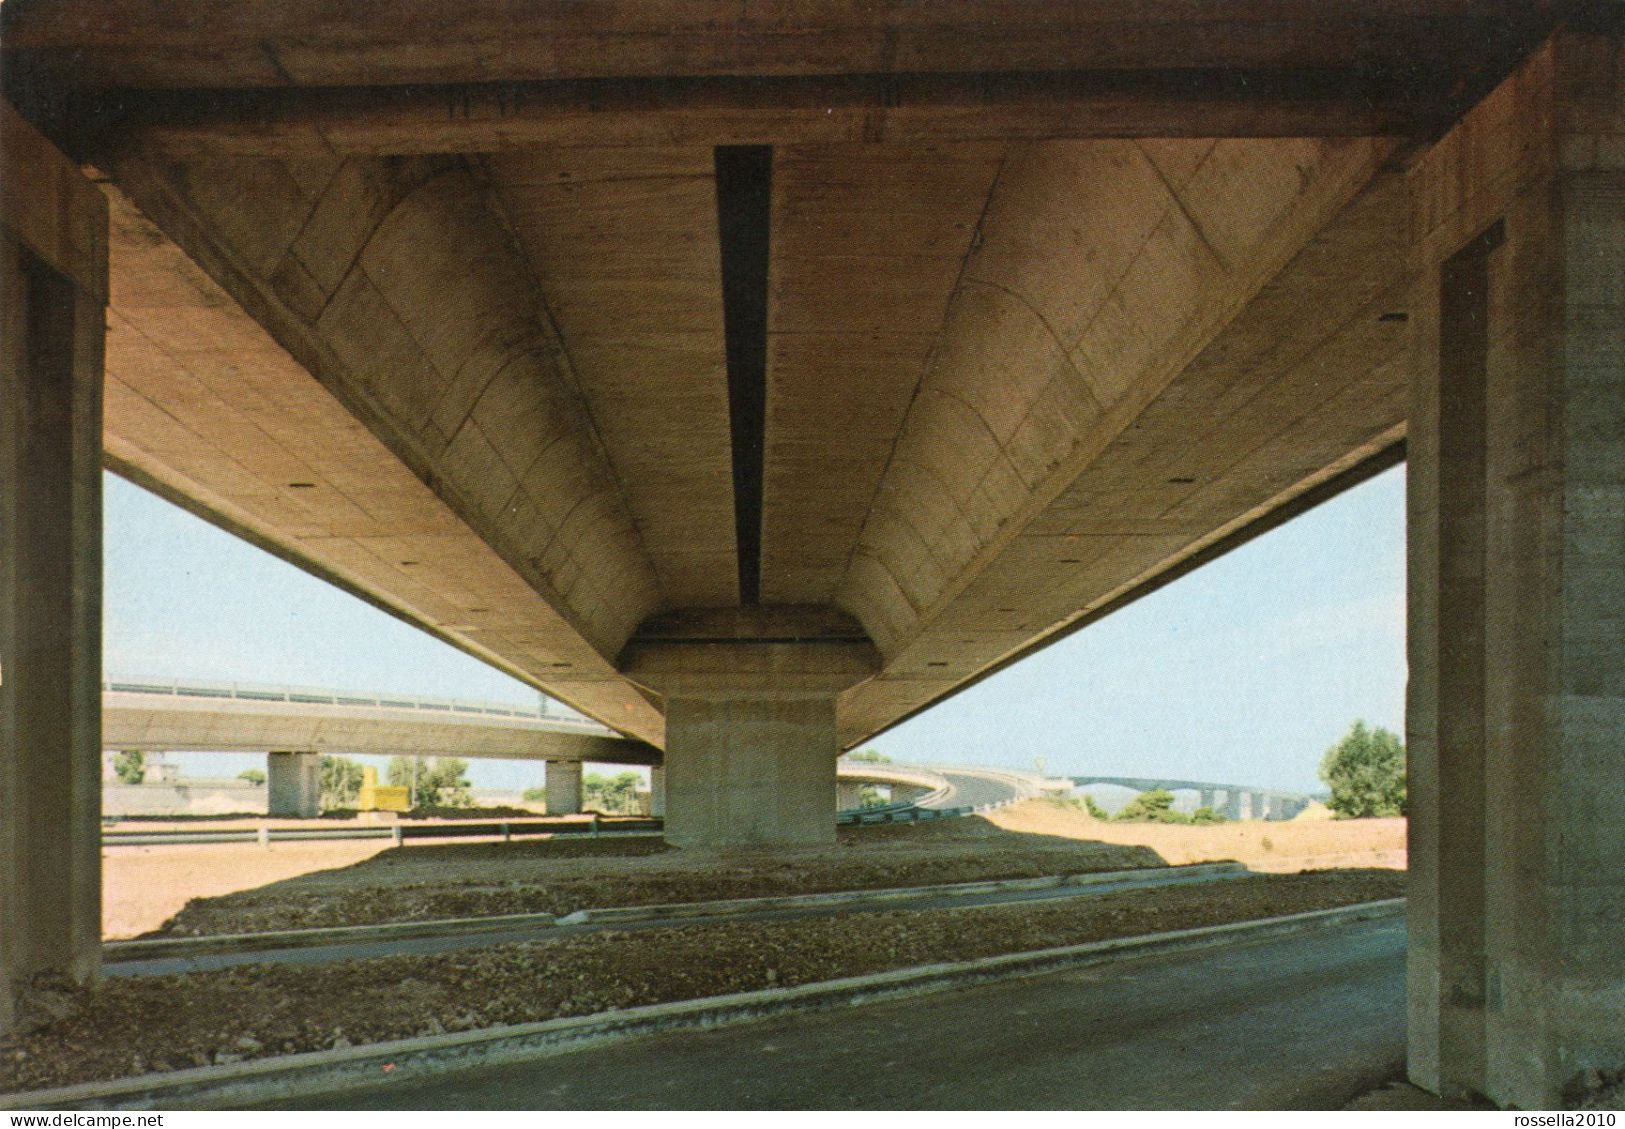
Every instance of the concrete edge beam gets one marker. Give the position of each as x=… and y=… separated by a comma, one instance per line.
x=326, y=1072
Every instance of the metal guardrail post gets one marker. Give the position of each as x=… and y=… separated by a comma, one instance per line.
x=396, y=834
x=595, y=825
x=265, y=837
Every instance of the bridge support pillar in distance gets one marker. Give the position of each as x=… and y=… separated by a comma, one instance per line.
x=1516, y=710
x=563, y=785
x=657, y=792
x=848, y=795
x=1206, y=798
x=750, y=736
x=293, y=785
x=53, y=286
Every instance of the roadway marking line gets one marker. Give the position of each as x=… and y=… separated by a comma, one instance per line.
x=284, y=1076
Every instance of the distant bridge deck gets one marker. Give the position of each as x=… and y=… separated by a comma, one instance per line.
x=171, y=716
x=1240, y=800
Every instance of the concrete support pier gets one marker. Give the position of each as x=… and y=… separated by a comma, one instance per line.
x=1516, y=712
x=657, y=791
x=53, y=285
x=563, y=782
x=750, y=771
x=293, y=785
x=848, y=795
x=750, y=724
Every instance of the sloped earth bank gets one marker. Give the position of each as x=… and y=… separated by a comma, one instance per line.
x=135, y=1025
x=1283, y=846
x=419, y=883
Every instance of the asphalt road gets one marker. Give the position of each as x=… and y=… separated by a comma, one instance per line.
x=969, y=789
x=1304, y=1022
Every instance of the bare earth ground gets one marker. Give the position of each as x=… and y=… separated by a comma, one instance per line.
x=134, y=1025
x=147, y=886
x=1288, y=845
x=557, y=876
x=142, y=887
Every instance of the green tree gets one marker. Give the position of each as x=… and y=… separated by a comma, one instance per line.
x=435, y=782
x=1093, y=808
x=1366, y=773
x=869, y=797
x=611, y=795
x=252, y=775
x=341, y=782
x=869, y=756
x=1206, y=814
x=130, y=766
x=1155, y=806
x=535, y=796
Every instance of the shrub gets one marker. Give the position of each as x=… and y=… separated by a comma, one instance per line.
x=1366, y=773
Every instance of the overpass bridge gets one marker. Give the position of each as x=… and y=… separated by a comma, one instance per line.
x=295, y=724
x=1233, y=801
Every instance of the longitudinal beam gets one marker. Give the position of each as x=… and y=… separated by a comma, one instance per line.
x=742, y=111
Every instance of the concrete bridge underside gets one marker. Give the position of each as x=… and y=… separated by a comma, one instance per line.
x=751, y=376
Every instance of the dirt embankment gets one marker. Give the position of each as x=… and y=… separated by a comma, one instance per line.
x=244, y=888
x=1283, y=846
x=557, y=876
x=135, y=1025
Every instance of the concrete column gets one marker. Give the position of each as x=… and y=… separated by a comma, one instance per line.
x=750, y=722
x=848, y=795
x=1516, y=710
x=293, y=785
x=53, y=288
x=750, y=771
x=563, y=787
x=657, y=791
x=1206, y=798
x=1232, y=804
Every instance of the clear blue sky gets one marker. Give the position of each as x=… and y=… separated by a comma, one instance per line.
x=1244, y=671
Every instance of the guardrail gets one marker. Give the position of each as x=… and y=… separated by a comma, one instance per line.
x=898, y=813
x=506, y=829
x=308, y=695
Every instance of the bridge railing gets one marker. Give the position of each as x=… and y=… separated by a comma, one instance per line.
x=310, y=695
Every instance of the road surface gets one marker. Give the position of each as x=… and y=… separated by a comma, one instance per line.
x=1303, y=1022
x=968, y=788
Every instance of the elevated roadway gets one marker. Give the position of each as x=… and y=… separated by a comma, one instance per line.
x=752, y=376
x=1234, y=801
x=173, y=716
